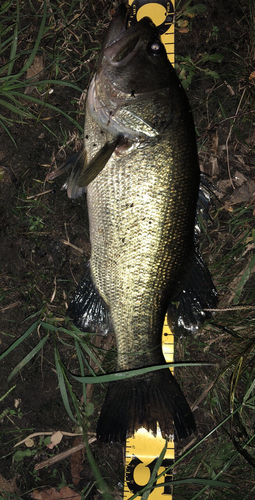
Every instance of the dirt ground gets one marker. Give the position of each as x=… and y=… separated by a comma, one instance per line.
x=45, y=235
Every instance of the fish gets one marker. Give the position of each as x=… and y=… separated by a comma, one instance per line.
x=139, y=169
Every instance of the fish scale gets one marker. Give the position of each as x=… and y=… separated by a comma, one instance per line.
x=138, y=260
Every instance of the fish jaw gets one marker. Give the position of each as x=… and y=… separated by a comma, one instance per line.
x=120, y=84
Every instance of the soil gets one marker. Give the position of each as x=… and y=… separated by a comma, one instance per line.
x=45, y=235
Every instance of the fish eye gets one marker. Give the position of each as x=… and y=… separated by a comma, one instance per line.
x=155, y=48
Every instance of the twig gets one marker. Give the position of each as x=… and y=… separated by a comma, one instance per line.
x=54, y=291
x=63, y=455
x=35, y=434
x=235, y=308
x=71, y=245
x=39, y=194
x=203, y=395
x=10, y=306
x=67, y=242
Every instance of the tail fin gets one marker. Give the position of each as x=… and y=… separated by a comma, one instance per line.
x=142, y=402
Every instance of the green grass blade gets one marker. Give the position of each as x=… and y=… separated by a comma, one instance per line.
x=59, y=83
x=8, y=392
x=18, y=110
x=101, y=485
x=151, y=483
x=197, y=445
x=90, y=353
x=5, y=7
x=80, y=359
x=49, y=327
x=49, y=106
x=17, y=342
x=193, y=480
x=8, y=132
x=14, y=42
x=248, y=392
x=111, y=377
x=28, y=357
x=246, y=275
x=62, y=386
x=227, y=465
x=38, y=40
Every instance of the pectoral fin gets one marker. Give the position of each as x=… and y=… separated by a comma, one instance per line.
x=96, y=165
x=76, y=164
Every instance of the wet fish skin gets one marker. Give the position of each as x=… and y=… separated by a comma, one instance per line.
x=142, y=223
x=142, y=205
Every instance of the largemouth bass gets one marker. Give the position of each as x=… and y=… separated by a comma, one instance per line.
x=140, y=169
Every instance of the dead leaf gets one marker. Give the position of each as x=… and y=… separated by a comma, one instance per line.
x=17, y=402
x=53, y=494
x=55, y=439
x=239, y=178
x=29, y=443
x=223, y=187
x=33, y=72
x=6, y=485
x=243, y=194
x=215, y=143
x=182, y=23
x=252, y=75
x=184, y=30
x=183, y=26
x=77, y=463
x=215, y=167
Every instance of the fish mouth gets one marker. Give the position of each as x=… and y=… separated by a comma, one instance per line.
x=125, y=44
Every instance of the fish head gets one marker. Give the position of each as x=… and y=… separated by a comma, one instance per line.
x=133, y=74
x=129, y=55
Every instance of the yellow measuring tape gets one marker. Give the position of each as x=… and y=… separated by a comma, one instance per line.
x=143, y=449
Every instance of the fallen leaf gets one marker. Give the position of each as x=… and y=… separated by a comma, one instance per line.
x=8, y=486
x=215, y=143
x=53, y=494
x=214, y=167
x=29, y=443
x=223, y=187
x=239, y=178
x=182, y=23
x=243, y=194
x=77, y=463
x=55, y=439
x=33, y=72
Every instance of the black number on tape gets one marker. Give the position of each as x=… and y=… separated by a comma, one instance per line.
x=162, y=28
x=130, y=472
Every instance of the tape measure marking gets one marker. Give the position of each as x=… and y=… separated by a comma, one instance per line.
x=143, y=449
x=162, y=14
